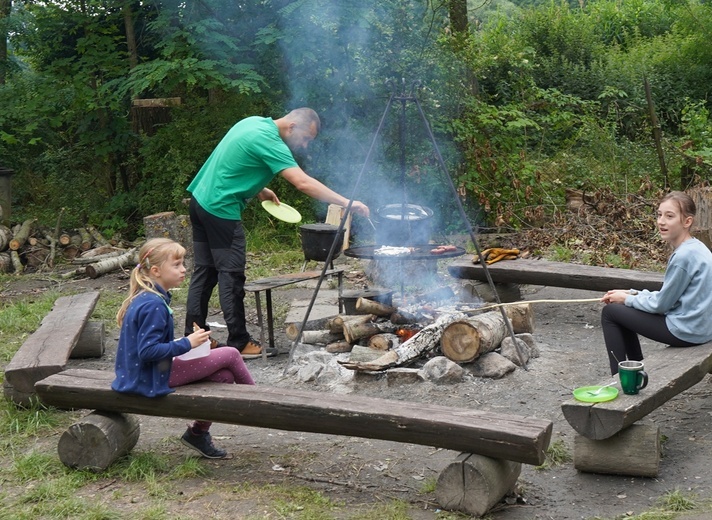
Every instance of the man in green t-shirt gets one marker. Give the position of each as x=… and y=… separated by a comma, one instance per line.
x=251, y=154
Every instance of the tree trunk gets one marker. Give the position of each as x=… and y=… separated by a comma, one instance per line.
x=5, y=9
x=88, y=258
x=91, y=341
x=466, y=340
x=108, y=265
x=457, y=11
x=634, y=451
x=22, y=235
x=130, y=35
x=366, y=306
x=97, y=440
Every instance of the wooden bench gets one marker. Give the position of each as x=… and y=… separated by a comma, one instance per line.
x=273, y=282
x=609, y=440
x=496, y=444
x=62, y=334
x=557, y=274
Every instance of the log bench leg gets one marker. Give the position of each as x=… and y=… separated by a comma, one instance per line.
x=473, y=484
x=91, y=341
x=634, y=451
x=97, y=440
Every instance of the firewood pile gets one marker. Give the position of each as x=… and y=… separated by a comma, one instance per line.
x=28, y=247
x=381, y=336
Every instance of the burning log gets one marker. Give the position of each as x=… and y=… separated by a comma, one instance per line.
x=366, y=306
x=385, y=341
x=425, y=340
x=464, y=341
x=401, y=317
x=336, y=324
x=355, y=331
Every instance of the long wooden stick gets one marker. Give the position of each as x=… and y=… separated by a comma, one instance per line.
x=494, y=306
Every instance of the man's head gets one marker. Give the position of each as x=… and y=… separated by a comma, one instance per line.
x=301, y=127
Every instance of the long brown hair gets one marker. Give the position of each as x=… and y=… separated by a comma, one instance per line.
x=154, y=252
x=684, y=202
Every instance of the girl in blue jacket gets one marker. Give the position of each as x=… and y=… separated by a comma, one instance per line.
x=146, y=362
x=677, y=314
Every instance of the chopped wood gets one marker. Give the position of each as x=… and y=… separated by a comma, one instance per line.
x=319, y=337
x=521, y=317
x=98, y=237
x=292, y=329
x=101, y=251
x=110, y=264
x=86, y=239
x=64, y=239
x=339, y=347
x=355, y=331
x=16, y=262
x=366, y=306
x=22, y=234
x=361, y=354
x=383, y=341
x=424, y=341
x=465, y=340
x=336, y=324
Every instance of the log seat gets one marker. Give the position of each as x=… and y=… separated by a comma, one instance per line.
x=557, y=274
x=510, y=437
x=671, y=371
x=46, y=351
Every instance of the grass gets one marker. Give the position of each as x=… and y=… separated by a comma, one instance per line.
x=556, y=454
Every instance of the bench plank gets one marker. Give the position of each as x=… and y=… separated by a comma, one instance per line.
x=47, y=350
x=509, y=437
x=557, y=274
x=670, y=371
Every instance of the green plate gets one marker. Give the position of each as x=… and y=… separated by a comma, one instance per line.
x=283, y=212
x=584, y=394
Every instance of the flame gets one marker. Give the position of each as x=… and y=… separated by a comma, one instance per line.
x=406, y=334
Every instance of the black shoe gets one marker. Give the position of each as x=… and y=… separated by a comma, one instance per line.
x=253, y=350
x=203, y=444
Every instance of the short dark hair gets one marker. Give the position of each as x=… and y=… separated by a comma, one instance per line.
x=304, y=117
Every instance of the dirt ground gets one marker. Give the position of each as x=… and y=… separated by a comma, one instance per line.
x=362, y=471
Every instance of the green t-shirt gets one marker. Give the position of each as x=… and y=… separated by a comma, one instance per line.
x=249, y=156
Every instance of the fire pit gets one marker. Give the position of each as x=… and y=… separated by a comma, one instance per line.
x=419, y=252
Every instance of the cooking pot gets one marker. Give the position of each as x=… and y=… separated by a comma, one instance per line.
x=317, y=240
x=403, y=224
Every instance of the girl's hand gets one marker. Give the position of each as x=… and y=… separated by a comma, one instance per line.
x=615, y=296
x=198, y=337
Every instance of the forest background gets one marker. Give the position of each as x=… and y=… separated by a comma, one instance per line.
x=526, y=99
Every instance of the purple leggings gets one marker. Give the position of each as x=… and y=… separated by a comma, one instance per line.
x=222, y=365
x=621, y=326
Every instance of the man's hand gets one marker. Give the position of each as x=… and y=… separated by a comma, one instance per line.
x=360, y=208
x=267, y=194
